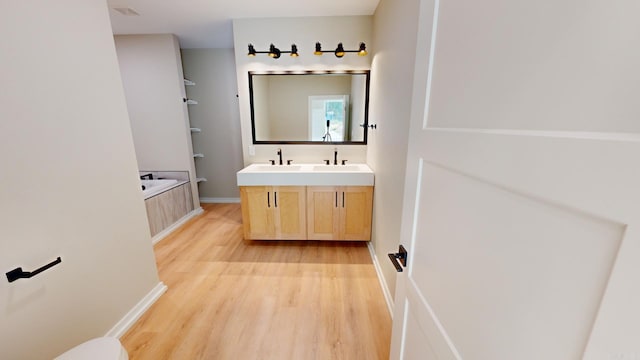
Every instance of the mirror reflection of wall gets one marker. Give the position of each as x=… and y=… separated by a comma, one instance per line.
x=261, y=105
x=296, y=107
x=359, y=96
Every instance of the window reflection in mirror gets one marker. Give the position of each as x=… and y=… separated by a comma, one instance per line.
x=301, y=108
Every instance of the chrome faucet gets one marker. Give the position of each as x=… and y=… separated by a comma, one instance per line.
x=280, y=156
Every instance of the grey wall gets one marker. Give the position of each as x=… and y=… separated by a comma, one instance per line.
x=153, y=83
x=395, y=24
x=69, y=180
x=214, y=72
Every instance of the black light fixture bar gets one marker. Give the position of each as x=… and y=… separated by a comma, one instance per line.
x=340, y=51
x=274, y=52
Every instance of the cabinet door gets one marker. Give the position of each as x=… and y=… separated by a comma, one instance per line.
x=323, y=215
x=257, y=212
x=356, y=206
x=290, y=212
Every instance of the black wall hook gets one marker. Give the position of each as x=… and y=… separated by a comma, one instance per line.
x=17, y=273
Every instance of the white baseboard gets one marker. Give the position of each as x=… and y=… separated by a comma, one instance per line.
x=208, y=200
x=383, y=282
x=162, y=234
x=137, y=311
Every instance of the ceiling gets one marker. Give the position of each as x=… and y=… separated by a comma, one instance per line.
x=207, y=23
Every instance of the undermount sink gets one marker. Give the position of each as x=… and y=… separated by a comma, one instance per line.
x=337, y=168
x=305, y=174
x=268, y=168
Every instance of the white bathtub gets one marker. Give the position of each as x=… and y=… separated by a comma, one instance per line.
x=153, y=187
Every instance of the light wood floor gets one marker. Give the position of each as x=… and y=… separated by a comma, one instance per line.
x=234, y=299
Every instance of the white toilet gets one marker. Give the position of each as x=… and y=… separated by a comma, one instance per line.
x=104, y=348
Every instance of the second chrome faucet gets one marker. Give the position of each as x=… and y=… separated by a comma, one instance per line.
x=328, y=162
x=335, y=158
x=273, y=162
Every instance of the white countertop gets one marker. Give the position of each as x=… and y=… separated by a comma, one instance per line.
x=306, y=175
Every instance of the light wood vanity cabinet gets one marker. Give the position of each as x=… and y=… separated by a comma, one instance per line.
x=312, y=212
x=339, y=212
x=274, y=212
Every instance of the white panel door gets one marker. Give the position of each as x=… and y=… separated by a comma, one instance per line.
x=523, y=240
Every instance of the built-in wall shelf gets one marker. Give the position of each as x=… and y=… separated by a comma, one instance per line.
x=194, y=130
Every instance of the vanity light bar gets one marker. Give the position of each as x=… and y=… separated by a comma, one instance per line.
x=274, y=52
x=339, y=52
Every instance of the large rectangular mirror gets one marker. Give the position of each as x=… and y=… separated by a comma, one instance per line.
x=311, y=107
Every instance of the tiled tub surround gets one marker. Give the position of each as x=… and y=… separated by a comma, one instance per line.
x=166, y=208
x=168, y=201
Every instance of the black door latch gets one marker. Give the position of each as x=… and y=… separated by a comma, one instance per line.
x=399, y=258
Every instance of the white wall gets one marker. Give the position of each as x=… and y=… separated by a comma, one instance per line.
x=390, y=36
x=304, y=32
x=152, y=76
x=214, y=72
x=69, y=181
x=395, y=25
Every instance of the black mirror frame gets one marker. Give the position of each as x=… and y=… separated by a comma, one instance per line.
x=367, y=74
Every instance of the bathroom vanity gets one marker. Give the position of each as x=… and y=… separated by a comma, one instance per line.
x=306, y=202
